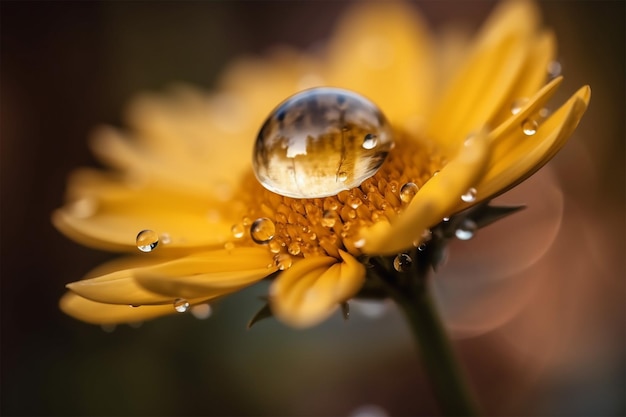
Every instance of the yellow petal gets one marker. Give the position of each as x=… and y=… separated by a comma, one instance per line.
x=524, y=155
x=383, y=51
x=99, y=313
x=311, y=290
x=438, y=198
x=487, y=77
x=207, y=273
x=107, y=213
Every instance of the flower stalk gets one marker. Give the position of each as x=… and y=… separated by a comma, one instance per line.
x=410, y=290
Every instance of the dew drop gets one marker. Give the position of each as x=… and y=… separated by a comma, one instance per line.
x=282, y=261
x=229, y=246
x=355, y=202
x=529, y=127
x=402, y=262
x=466, y=230
x=554, y=69
x=147, y=240
x=518, y=104
x=331, y=140
x=370, y=141
x=181, y=305
x=359, y=243
x=237, y=230
x=262, y=230
x=165, y=238
x=470, y=195
x=294, y=248
x=83, y=208
x=329, y=218
x=408, y=191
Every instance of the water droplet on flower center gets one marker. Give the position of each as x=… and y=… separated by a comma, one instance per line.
x=262, y=230
x=408, y=191
x=181, y=305
x=320, y=142
x=147, y=240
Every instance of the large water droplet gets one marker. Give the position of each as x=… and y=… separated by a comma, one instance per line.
x=408, y=191
x=470, y=195
x=529, y=127
x=319, y=142
x=147, y=240
x=262, y=230
x=402, y=262
x=466, y=230
x=181, y=305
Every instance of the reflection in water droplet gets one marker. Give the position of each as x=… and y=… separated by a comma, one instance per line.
x=470, y=195
x=181, y=305
x=330, y=139
x=529, y=127
x=282, y=261
x=147, y=240
x=237, y=230
x=402, y=262
x=370, y=141
x=408, y=191
x=466, y=230
x=262, y=230
x=518, y=104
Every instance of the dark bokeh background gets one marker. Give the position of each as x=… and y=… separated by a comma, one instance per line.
x=69, y=66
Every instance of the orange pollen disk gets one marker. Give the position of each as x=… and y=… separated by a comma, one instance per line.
x=322, y=226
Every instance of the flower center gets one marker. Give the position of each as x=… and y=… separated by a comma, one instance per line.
x=322, y=226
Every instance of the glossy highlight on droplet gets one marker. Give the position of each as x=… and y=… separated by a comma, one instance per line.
x=320, y=142
x=466, y=230
x=529, y=127
x=470, y=195
x=408, y=191
x=402, y=262
x=181, y=305
x=262, y=230
x=147, y=240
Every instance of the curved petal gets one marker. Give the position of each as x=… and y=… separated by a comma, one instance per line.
x=487, y=77
x=437, y=199
x=311, y=290
x=383, y=50
x=100, y=313
x=207, y=273
x=521, y=155
x=107, y=213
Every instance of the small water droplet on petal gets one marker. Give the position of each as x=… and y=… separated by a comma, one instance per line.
x=529, y=127
x=237, y=230
x=518, y=105
x=466, y=230
x=402, y=262
x=554, y=69
x=83, y=208
x=147, y=240
x=262, y=230
x=282, y=261
x=470, y=195
x=181, y=305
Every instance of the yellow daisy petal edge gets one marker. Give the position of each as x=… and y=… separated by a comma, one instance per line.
x=463, y=134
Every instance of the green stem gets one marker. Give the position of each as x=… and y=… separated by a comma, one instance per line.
x=434, y=346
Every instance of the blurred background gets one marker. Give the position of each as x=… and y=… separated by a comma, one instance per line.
x=547, y=340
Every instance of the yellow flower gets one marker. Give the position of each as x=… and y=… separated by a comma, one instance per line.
x=182, y=172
